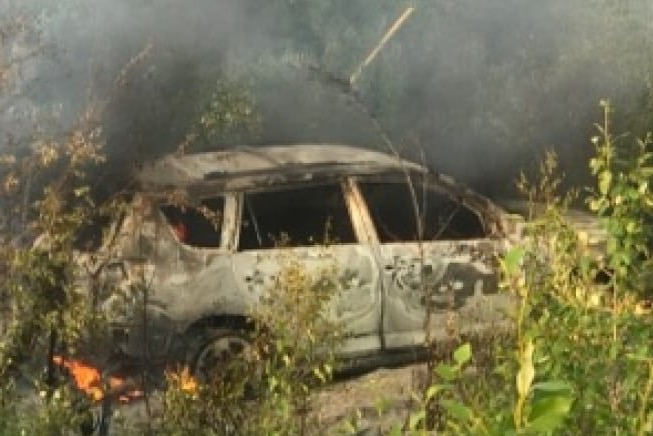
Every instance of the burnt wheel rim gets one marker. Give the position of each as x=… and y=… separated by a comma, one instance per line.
x=219, y=355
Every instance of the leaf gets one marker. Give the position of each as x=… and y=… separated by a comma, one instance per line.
x=557, y=386
x=431, y=392
x=463, y=354
x=415, y=419
x=349, y=427
x=512, y=260
x=605, y=180
x=396, y=430
x=596, y=204
x=631, y=226
x=319, y=375
x=272, y=383
x=447, y=372
x=594, y=163
x=548, y=413
x=526, y=370
x=457, y=410
x=328, y=369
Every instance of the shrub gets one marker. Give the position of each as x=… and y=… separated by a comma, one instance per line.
x=266, y=389
x=580, y=361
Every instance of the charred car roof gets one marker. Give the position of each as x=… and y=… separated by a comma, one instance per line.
x=247, y=167
x=250, y=163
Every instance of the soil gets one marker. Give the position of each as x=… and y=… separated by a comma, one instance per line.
x=369, y=404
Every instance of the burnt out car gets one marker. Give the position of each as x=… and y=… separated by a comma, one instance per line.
x=199, y=245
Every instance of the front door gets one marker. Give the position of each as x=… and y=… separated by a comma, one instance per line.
x=439, y=267
x=310, y=228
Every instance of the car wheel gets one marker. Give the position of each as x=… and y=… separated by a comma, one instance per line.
x=223, y=355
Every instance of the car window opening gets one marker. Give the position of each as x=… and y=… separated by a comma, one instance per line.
x=304, y=216
x=441, y=218
x=196, y=226
x=91, y=234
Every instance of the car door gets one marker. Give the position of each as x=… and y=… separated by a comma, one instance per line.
x=315, y=227
x=438, y=262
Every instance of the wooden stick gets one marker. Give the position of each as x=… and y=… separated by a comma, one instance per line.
x=370, y=57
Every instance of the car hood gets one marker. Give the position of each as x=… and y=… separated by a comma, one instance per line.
x=589, y=226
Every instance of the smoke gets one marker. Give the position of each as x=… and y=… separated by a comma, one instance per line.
x=487, y=86
x=477, y=88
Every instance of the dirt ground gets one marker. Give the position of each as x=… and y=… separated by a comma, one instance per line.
x=370, y=404
x=367, y=404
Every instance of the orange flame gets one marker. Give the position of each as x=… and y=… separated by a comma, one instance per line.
x=182, y=379
x=89, y=380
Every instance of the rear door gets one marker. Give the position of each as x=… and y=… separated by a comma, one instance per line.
x=438, y=263
x=316, y=227
x=172, y=255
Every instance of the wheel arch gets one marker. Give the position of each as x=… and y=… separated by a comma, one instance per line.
x=236, y=322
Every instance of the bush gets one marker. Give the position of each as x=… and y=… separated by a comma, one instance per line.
x=266, y=389
x=581, y=361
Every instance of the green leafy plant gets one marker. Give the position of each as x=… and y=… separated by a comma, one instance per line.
x=581, y=357
x=623, y=201
x=266, y=390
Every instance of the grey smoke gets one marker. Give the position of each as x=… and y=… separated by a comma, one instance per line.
x=446, y=87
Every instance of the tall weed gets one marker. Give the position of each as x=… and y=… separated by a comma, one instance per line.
x=581, y=358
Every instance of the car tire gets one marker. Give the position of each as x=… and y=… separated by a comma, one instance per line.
x=222, y=354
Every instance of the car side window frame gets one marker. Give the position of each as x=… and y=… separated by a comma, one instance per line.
x=429, y=182
x=360, y=229
x=224, y=231
x=359, y=211
x=230, y=221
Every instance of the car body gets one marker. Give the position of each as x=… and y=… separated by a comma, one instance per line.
x=200, y=243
